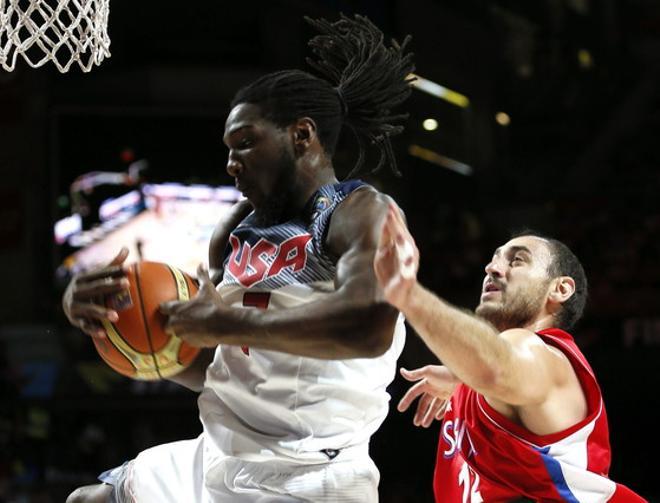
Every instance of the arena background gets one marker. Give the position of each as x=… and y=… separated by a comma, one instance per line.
x=575, y=156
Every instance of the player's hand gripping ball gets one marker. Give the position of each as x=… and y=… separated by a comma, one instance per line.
x=137, y=344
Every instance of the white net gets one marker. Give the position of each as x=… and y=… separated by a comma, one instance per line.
x=62, y=31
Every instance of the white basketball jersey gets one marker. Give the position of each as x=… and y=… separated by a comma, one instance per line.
x=259, y=404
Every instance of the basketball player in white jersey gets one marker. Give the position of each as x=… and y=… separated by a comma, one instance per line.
x=302, y=344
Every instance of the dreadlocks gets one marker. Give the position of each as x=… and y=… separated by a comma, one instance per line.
x=363, y=80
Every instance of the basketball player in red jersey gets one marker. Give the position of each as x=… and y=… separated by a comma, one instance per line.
x=523, y=415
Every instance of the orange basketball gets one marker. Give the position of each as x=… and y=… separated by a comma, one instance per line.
x=137, y=345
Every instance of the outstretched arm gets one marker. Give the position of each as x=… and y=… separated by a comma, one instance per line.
x=514, y=367
x=353, y=321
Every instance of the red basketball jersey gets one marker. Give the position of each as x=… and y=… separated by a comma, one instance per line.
x=483, y=456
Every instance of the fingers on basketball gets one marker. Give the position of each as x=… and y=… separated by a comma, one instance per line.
x=99, y=288
x=120, y=257
x=139, y=344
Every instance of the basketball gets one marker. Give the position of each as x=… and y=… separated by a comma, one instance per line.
x=137, y=345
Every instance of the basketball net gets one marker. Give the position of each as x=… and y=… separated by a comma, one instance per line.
x=62, y=31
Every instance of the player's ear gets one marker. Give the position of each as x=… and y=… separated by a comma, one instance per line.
x=303, y=134
x=562, y=289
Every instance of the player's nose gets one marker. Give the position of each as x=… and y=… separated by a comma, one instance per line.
x=234, y=166
x=494, y=268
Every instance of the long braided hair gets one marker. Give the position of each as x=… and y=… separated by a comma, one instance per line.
x=362, y=81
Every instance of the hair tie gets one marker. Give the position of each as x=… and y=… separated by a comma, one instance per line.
x=342, y=102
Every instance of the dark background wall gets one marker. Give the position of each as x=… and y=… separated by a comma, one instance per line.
x=579, y=160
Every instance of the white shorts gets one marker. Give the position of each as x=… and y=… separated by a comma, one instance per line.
x=186, y=471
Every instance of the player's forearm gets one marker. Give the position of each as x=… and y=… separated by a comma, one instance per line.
x=334, y=328
x=468, y=346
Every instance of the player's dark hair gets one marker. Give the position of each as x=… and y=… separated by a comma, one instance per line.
x=565, y=263
x=363, y=80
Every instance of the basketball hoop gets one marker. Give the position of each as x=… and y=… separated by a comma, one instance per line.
x=61, y=31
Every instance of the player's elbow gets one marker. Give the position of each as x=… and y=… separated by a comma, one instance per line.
x=376, y=326
x=194, y=382
x=193, y=377
x=487, y=381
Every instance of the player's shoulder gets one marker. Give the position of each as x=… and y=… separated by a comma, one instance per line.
x=357, y=220
x=364, y=198
x=523, y=338
x=520, y=334
x=529, y=337
x=531, y=343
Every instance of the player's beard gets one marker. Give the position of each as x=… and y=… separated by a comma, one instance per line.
x=275, y=207
x=517, y=310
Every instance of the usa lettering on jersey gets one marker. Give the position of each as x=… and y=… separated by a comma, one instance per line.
x=266, y=259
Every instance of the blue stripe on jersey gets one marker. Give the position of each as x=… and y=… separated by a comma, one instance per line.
x=557, y=476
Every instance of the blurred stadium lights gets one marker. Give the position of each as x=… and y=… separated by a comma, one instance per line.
x=440, y=160
x=503, y=118
x=585, y=59
x=430, y=124
x=434, y=89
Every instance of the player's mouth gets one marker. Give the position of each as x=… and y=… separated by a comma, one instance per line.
x=491, y=289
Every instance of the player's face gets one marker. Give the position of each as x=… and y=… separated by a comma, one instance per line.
x=517, y=284
x=260, y=159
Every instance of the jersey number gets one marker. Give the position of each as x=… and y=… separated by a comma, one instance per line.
x=255, y=299
x=471, y=492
